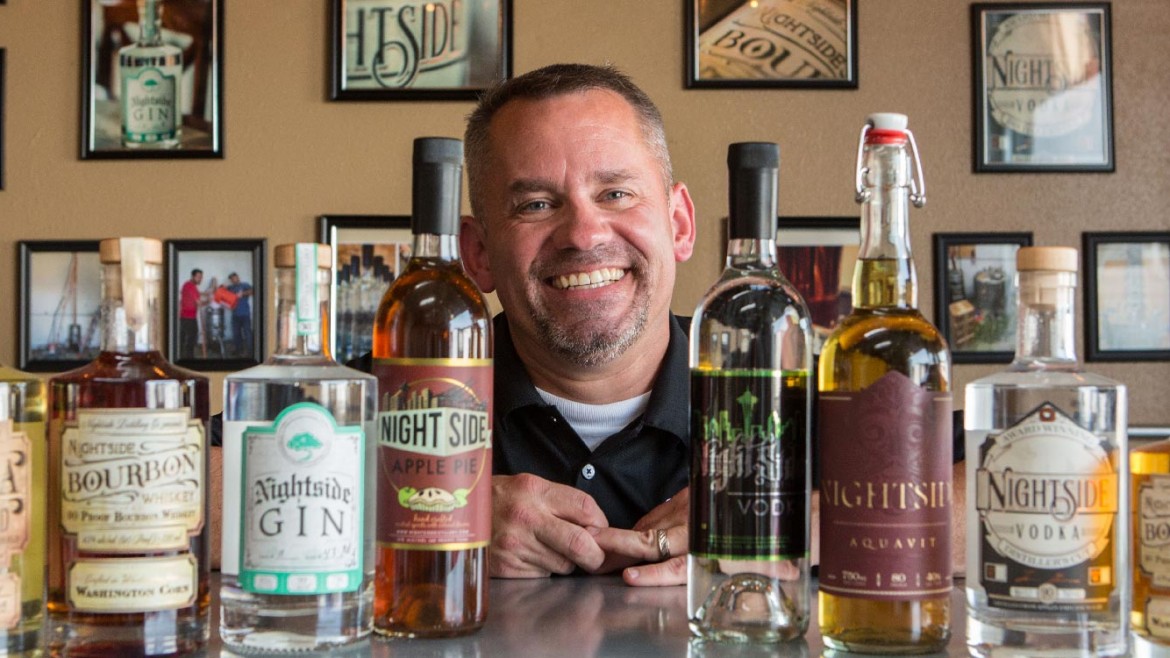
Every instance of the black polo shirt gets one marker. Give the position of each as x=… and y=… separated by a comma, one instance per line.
x=632, y=471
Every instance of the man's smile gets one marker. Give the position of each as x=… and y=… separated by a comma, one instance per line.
x=592, y=279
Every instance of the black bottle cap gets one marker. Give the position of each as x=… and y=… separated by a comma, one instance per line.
x=437, y=183
x=752, y=169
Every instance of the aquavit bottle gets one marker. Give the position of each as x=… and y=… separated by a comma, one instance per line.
x=433, y=359
x=751, y=356
x=151, y=72
x=1149, y=468
x=22, y=512
x=885, y=429
x=1047, y=486
x=298, y=530
x=128, y=553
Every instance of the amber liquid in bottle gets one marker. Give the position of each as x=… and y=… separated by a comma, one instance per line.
x=433, y=317
x=884, y=333
x=127, y=375
x=1150, y=486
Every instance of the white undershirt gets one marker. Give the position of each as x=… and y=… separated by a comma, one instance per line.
x=595, y=423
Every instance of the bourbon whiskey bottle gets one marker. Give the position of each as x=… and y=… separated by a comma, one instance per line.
x=128, y=546
x=433, y=359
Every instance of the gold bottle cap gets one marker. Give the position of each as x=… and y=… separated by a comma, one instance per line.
x=1051, y=259
x=110, y=250
x=286, y=256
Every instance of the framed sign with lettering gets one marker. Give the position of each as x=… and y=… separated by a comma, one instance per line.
x=771, y=43
x=1043, y=87
x=418, y=49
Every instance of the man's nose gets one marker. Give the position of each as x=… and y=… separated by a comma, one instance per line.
x=583, y=226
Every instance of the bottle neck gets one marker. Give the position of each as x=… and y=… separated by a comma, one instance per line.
x=751, y=254
x=130, y=308
x=302, y=310
x=150, y=22
x=885, y=275
x=437, y=247
x=1045, y=336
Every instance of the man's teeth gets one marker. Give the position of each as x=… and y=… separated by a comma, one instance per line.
x=594, y=279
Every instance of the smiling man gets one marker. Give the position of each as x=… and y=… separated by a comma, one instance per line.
x=578, y=227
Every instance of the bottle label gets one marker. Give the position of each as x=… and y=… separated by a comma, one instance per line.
x=133, y=584
x=886, y=491
x=132, y=479
x=1046, y=494
x=749, y=487
x=434, y=453
x=1153, y=542
x=10, y=603
x=150, y=107
x=302, y=504
x=1158, y=617
x=15, y=487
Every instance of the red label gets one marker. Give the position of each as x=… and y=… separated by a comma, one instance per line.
x=886, y=491
x=434, y=453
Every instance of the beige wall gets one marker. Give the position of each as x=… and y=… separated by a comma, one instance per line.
x=291, y=155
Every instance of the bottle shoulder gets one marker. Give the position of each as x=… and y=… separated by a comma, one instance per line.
x=284, y=369
x=118, y=367
x=739, y=288
x=871, y=329
x=434, y=291
x=1041, y=378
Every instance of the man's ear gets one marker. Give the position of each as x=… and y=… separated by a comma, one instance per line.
x=682, y=222
x=473, y=251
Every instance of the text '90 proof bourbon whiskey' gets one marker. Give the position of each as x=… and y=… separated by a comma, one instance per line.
x=885, y=430
x=22, y=511
x=128, y=553
x=298, y=530
x=1047, y=528
x=751, y=353
x=433, y=359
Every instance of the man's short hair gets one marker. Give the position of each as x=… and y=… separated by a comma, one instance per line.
x=549, y=82
x=233, y=275
x=196, y=272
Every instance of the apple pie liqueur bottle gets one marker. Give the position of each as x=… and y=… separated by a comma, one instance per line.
x=885, y=429
x=128, y=547
x=151, y=72
x=298, y=558
x=22, y=512
x=1047, y=497
x=751, y=355
x=1149, y=467
x=433, y=359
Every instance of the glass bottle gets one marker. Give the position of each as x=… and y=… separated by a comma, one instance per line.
x=1047, y=549
x=22, y=521
x=298, y=540
x=151, y=72
x=751, y=355
x=128, y=553
x=433, y=359
x=1149, y=467
x=885, y=428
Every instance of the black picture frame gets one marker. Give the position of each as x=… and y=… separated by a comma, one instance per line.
x=193, y=26
x=369, y=253
x=58, y=320
x=215, y=345
x=1057, y=119
x=731, y=45
x=975, y=301
x=446, y=75
x=1127, y=295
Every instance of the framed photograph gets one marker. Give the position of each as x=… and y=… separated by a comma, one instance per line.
x=152, y=82
x=1043, y=87
x=1127, y=296
x=817, y=254
x=60, y=298
x=975, y=294
x=771, y=43
x=215, y=303
x=438, y=50
x=369, y=252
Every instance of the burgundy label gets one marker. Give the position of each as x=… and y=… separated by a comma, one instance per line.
x=886, y=491
x=434, y=453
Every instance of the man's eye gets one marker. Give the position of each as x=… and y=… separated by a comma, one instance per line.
x=538, y=205
x=616, y=195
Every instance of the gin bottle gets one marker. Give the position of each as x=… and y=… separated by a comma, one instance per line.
x=885, y=429
x=433, y=359
x=751, y=355
x=151, y=72
x=298, y=553
x=128, y=553
x=22, y=521
x=1047, y=489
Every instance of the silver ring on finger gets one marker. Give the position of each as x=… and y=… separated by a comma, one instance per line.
x=663, y=545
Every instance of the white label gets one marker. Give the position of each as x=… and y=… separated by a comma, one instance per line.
x=150, y=104
x=308, y=310
x=301, y=512
x=1153, y=531
x=133, y=584
x=132, y=479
